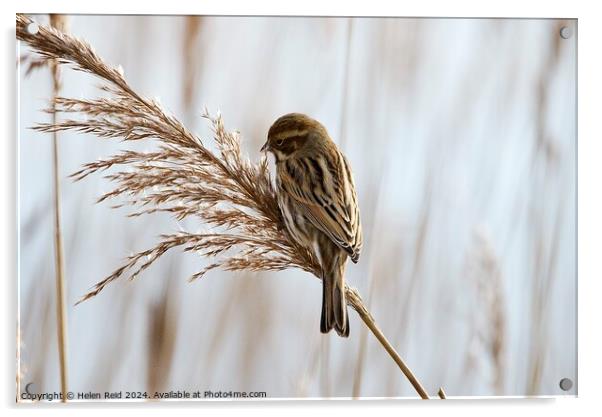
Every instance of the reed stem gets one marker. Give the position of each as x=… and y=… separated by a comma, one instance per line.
x=58, y=22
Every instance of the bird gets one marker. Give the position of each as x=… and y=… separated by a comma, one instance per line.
x=318, y=201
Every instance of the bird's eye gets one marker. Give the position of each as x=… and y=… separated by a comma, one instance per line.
x=279, y=142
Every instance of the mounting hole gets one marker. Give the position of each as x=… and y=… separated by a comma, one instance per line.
x=566, y=32
x=566, y=384
x=33, y=28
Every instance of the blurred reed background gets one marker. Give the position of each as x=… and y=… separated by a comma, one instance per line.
x=462, y=137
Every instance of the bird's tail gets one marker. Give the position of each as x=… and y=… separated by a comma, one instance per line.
x=334, y=304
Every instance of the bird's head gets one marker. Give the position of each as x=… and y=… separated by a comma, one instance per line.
x=292, y=133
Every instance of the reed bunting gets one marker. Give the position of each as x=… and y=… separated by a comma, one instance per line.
x=317, y=198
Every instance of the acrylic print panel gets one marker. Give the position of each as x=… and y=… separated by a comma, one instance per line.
x=457, y=193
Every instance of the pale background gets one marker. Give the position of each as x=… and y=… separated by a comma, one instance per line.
x=461, y=134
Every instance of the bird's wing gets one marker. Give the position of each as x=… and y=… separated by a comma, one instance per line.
x=327, y=196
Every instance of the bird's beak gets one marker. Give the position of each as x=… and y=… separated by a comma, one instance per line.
x=265, y=146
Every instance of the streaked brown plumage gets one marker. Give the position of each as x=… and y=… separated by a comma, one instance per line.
x=316, y=195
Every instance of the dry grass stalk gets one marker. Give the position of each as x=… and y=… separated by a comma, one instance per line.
x=545, y=247
x=161, y=341
x=19, y=376
x=345, y=92
x=184, y=178
x=359, y=366
x=59, y=22
x=191, y=65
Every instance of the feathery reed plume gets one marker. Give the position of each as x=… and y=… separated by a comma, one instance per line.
x=31, y=64
x=59, y=22
x=184, y=178
x=489, y=328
